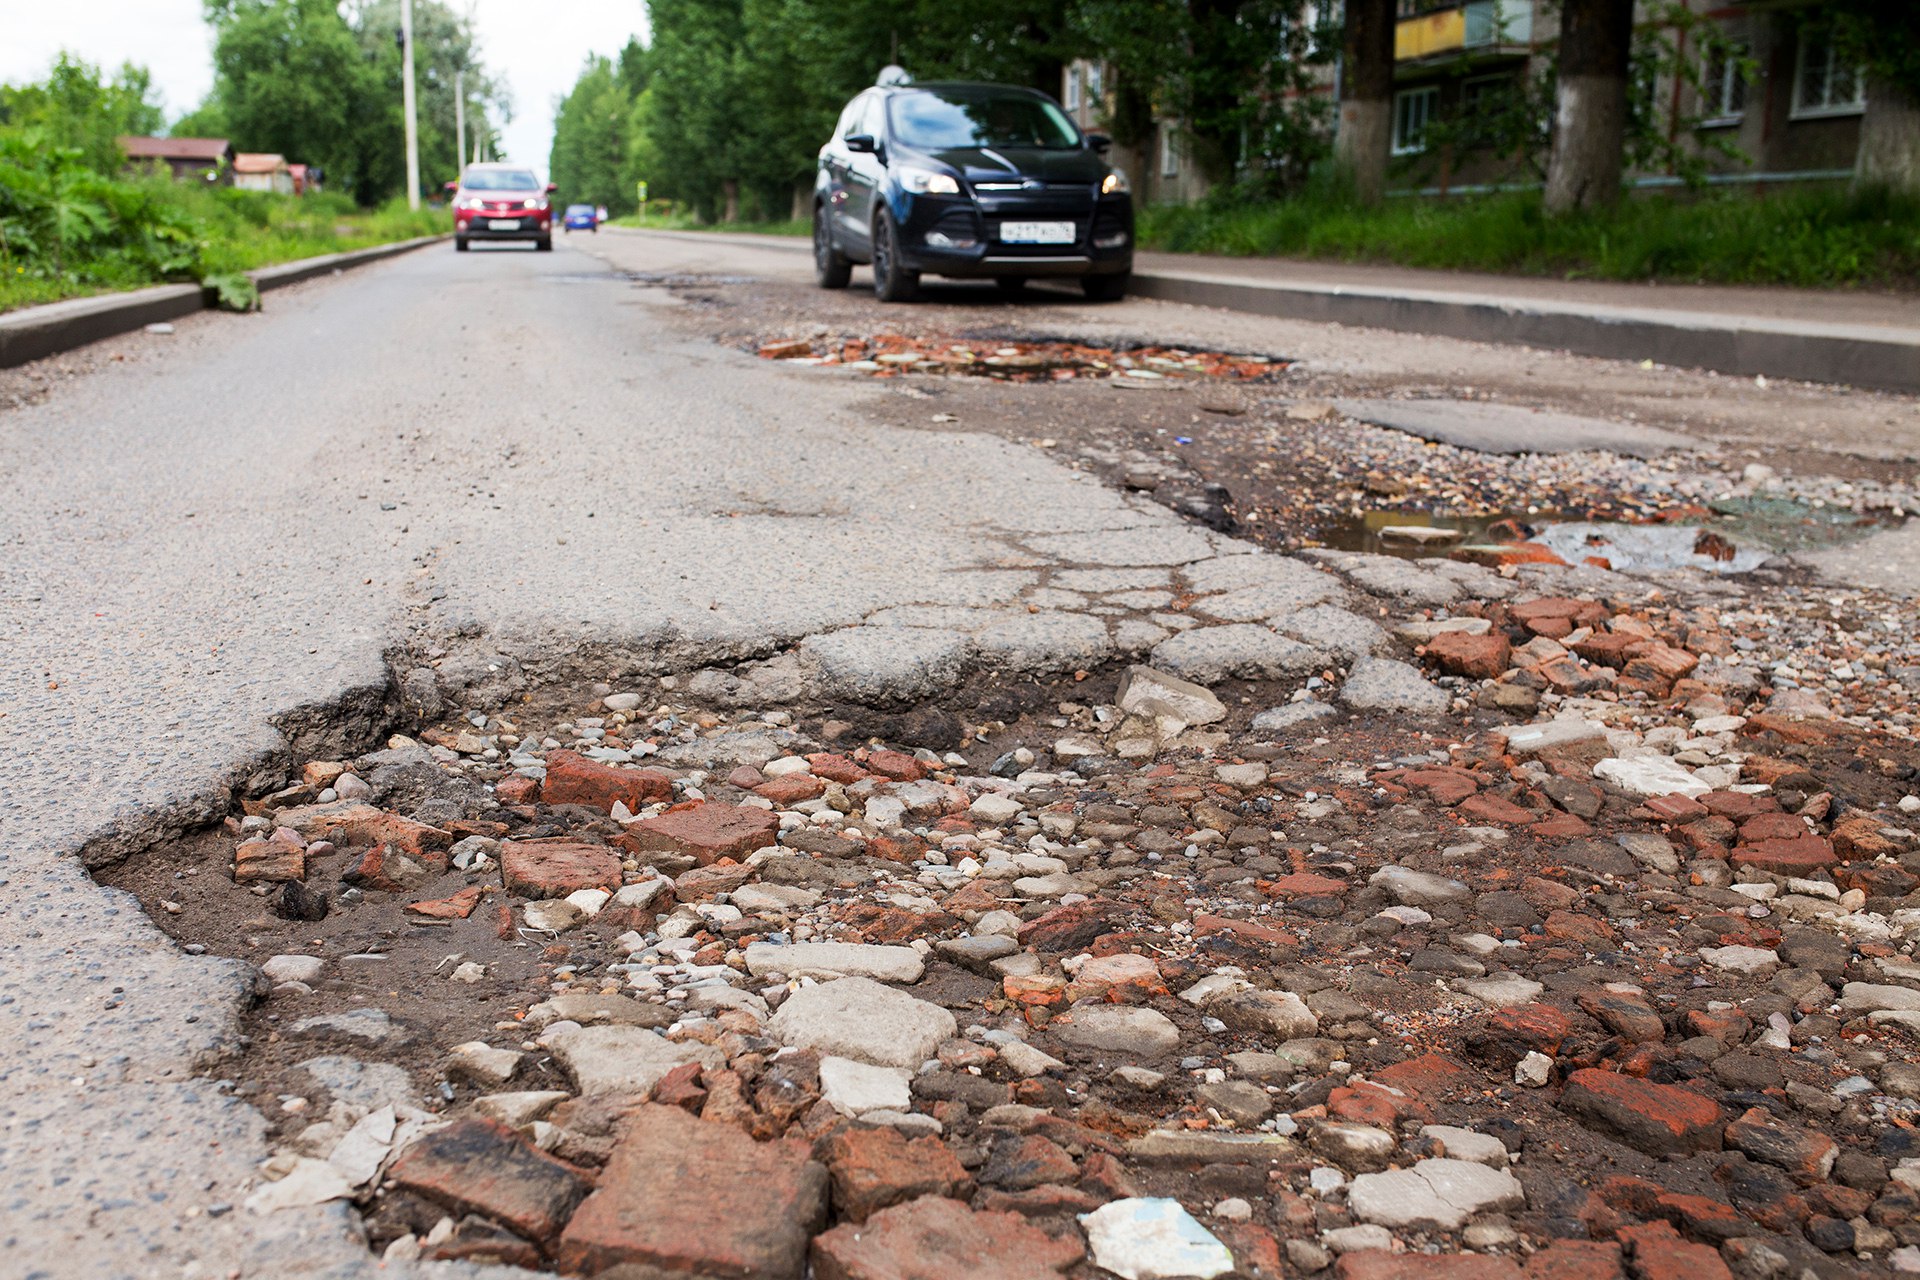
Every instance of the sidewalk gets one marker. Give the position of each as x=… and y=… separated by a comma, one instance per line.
x=1863, y=339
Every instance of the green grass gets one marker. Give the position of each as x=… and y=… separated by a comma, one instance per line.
x=233, y=231
x=657, y=220
x=1809, y=238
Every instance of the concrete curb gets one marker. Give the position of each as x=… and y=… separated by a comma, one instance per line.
x=34, y=333
x=1855, y=355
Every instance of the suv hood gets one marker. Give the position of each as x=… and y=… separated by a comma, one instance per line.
x=1008, y=164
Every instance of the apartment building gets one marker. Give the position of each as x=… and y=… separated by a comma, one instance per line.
x=1767, y=98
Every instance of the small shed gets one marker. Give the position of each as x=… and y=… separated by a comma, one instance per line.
x=199, y=159
x=262, y=171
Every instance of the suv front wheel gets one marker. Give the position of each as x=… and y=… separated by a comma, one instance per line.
x=830, y=267
x=891, y=281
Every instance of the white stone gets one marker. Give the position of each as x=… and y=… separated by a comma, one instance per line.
x=859, y=1018
x=623, y=1059
x=1650, y=776
x=1117, y=1028
x=1441, y=1193
x=1533, y=739
x=785, y=766
x=359, y=1154
x=1750, y=961
x=590, y=901
x=309, y=1182
x=836, y=960
x=553, y=915
x=1364, y=1238
x=1153, y=1239
x=1501, y=991
x=293, y=968
x=1155, y=695
x=1417, y=888
x=480, y=1062
x=1244, y=776
x=1535, y=1071
x=1465, y=1144
x=856, y=1088
x=995, y=809
x=517, y=1110
x=1026, y=1061
x=1868, y=997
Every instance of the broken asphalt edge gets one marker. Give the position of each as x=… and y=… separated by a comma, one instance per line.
x=1848, y=355
x=34, y=333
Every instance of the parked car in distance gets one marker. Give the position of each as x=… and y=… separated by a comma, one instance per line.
x=581, y=217
x=972, y=181
x=502, y=202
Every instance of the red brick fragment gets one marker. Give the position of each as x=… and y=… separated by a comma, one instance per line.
x=1446, y=786
x=895, y=766
x=1576, y=1260
x=270, y=861
x=1479, y=657
x=735, y=1207
x=517, y=788
x=1857, y=838
x=476, y=1165
x=1492, y=808
x=574, y=779
x=1799, y=856
x=556, y=868
x=874, y=1168
x=790, y=790
x=1303, y=884
x=458, y=907
x=1658, y=1119
x=1656, y=1252
x=934, y=1238
x=706, y=831
x=835, y=768
x=1378, y=1264
x=1677, y=808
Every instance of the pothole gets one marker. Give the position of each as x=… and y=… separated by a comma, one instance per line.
x=1018, y=360
x=601, y=978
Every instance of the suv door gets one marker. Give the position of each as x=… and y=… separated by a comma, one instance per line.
x=835, y=164
x=865, y=173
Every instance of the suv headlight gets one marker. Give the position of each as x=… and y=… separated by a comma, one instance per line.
x=1115, y=182
x=466, y=202
x=537, y=202
x=929, y=182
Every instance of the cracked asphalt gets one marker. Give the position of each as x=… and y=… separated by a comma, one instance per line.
x=205, y=531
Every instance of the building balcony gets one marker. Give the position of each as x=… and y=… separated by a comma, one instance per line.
x=1474, y=27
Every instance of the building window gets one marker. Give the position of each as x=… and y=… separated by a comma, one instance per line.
x=1169, y=153
x=1096, y=82
x=1825, y=83
x=1412, y=112
x=1487, y=94
x=1723, y=83
x=1073, y=88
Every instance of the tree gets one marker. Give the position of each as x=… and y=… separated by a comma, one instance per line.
x=1364, y=141
x=1590, y=116
x=590, y=139
x=1884, y=37
x=77, y=108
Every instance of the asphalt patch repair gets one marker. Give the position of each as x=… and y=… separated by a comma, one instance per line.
x=1597, y=964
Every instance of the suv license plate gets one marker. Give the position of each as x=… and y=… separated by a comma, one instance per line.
x=1036, y=233
x=504, y=224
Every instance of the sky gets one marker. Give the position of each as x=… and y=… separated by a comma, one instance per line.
x=537, y=48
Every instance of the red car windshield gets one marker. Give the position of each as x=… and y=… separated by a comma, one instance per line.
x=501, y=180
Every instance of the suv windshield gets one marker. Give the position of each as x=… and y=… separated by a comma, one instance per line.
x=945, y=119
x=501, y=180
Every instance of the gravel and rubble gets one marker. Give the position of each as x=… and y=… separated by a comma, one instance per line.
x=1544, y=921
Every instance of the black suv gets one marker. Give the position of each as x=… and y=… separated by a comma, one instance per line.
x=977, y=181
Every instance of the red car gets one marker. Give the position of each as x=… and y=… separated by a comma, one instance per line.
x=502, y=202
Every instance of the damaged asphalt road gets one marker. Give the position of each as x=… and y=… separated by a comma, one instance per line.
x=226, y=550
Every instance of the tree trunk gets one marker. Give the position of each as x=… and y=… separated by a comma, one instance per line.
x=730, y=200
x=1590, y=121
x=1889, y=139
x=1364, y=139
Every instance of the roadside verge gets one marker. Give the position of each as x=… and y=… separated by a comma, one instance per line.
x=33, y=333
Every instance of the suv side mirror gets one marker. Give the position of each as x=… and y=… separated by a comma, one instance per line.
x=552, y=187
x=1100, y=142
x=449, y=186
x=865, y=143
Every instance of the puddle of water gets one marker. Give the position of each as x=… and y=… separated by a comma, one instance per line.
x=1790, y=525
x=1418, y=535
x=887, y=355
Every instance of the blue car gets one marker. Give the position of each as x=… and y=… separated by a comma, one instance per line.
x=582, y=217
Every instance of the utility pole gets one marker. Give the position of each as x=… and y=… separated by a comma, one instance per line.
x=406, y=89
x=459, y=118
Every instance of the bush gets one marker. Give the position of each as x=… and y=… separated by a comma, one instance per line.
x=67, y=229
x=1811, y=237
